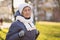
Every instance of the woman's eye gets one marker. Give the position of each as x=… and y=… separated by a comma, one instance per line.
x=24, y=10
x=29, y=10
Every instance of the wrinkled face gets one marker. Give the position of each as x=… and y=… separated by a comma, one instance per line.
x=26, y=12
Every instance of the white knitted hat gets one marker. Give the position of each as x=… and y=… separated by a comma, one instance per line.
x=22, y=6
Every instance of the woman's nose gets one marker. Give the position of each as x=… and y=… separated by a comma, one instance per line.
x=28, y=11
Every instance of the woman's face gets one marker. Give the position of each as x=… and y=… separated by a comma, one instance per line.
x=26, y=12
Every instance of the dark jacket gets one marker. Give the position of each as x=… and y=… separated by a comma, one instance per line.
x=16, y=27
x=17, y=13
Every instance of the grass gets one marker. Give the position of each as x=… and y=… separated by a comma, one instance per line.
x=48, y=31
x=3, y=33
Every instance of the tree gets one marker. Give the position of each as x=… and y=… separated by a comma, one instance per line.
x=12, y=8
x=26, y=1
x=58, y=2
x=56, y=11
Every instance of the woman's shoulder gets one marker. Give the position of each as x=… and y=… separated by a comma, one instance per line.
x=17, y=23
x=13, y=23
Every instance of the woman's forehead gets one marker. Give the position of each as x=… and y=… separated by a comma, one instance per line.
x=26, y=7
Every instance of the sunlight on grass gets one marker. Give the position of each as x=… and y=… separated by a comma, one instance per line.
x=48, y=30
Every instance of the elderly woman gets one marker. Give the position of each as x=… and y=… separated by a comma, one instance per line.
x=23, y=28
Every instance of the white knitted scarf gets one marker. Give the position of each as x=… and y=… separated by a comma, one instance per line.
x=27, y=22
